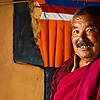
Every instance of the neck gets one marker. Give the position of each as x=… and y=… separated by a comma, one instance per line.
x=86, y=61
x=83, y=63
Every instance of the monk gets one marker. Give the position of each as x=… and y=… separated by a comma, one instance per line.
x=79, y=77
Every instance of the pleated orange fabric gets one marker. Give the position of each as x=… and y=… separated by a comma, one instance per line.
x=55, y=42
x=44, y=41
x=52, y=41
x=68, y=52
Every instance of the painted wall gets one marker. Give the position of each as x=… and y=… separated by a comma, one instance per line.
x=17, y=81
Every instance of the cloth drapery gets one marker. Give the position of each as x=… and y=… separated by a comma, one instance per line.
x=81, y=84
x=55, y=43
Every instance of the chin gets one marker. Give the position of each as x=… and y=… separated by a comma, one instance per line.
x=85, y=55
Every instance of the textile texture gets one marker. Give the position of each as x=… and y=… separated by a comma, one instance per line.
x=81, y=84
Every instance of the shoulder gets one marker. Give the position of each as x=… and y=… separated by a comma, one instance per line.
x=64, y=69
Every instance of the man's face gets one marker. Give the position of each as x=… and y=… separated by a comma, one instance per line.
x=86, y=36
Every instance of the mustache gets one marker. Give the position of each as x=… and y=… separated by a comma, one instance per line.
x=84, y=43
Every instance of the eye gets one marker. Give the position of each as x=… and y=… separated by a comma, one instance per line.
x=90, y=30
x=75, y=31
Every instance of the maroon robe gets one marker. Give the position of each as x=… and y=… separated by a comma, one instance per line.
x=81, y=84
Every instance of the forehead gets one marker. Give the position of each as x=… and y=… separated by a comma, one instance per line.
x=89, y=19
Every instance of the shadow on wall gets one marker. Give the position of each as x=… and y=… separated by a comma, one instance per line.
x=25, y=48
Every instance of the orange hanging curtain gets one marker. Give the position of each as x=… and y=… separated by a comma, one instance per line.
x=55, y=44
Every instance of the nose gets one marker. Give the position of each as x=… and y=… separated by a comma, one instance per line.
x=82, y=36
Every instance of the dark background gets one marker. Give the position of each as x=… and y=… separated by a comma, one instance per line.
x=25, y=49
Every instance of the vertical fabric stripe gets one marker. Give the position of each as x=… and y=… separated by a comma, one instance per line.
x=44, y=41
x=69, y=52
x=52, y=41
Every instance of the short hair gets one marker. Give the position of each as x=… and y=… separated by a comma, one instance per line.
x=90, y=10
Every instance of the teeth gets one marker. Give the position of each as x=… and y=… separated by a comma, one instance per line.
x=85, y=47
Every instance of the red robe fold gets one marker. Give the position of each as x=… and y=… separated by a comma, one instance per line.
x=81, y=84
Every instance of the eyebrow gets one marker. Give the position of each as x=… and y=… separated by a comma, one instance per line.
x=73, y=27
x=90, y=25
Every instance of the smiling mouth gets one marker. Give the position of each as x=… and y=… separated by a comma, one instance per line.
x=84, y=45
